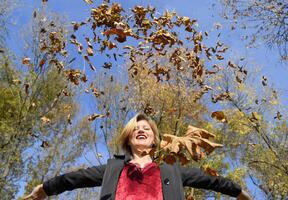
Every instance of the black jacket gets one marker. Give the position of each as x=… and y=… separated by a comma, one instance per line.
x=173, y=177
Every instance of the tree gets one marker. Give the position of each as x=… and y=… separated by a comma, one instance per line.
x=35, y=103
x=268, y=20
x=6, y=8
x=254, y=129
x=169, y=73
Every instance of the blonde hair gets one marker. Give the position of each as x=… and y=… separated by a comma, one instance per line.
x=123, y=139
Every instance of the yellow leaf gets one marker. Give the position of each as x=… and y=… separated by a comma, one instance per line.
x=274, y=102
x=256, y=116
x=45, y=120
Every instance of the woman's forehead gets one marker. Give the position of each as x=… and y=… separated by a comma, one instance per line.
x=143, y=123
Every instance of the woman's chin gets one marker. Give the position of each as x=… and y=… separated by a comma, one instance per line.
x=142, y=147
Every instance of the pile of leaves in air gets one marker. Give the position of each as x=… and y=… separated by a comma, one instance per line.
x=196, y=142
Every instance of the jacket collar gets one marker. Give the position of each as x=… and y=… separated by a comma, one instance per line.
x=126, y=157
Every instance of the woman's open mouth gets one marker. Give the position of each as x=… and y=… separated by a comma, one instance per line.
x=141, y=137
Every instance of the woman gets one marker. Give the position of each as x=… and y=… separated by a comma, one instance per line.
x=134, y=176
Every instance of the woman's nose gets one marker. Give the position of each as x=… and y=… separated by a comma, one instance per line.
x=140, y=130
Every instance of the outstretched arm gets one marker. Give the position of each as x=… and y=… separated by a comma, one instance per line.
x=89, y=177
x=194, y=177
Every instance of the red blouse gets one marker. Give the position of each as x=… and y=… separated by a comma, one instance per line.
x=137, y=183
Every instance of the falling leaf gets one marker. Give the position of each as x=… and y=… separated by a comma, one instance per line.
x=183, y=158
x=221, y=97
x=256, y=116
x=90, y=51
x=26, y=61
x=264, y=80
x=69, y=119
x=107, y=65
x=45, y=120
x=26, y=85
x=219, y=115
x=232, y=65
x=73, y=75
x=84, y=78
x=219, y=57
x=169, y=159
x=99, y=155
x=95, y=116
x=210, y=171
x=278, y=116
x=89, y=1
x=111, y=45
x=44, y=144
x=195, y=141
x=121, y=34
x=16, y=81
x=96, y=92
x=218, y=25
x=190, y=197
x=42, y=62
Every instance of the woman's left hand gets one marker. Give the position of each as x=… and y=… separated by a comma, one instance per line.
x=243, y=196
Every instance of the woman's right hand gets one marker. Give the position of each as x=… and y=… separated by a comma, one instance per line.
x=38, y=193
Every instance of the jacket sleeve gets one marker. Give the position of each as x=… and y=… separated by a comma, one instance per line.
x=196, y=178
x=89, y=177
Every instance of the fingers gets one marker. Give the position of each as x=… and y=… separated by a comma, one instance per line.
x=29, y=197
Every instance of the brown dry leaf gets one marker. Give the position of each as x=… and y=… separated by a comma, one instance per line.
x=44, y=144
x=195, y=141
x=169, y=159
x=232, y=65
x=221, y=97
x=27, y=86
x=89, y=51
x=42, y=62
x=121, y=33
x=190, y=197
x=183, y=158
x=107, y=65
x=111, y=45
x=45, y=120
x=96, y=92
x=219, y=57
x=89, y=1
x=26, y=61
x=84, y=78
x=211, y=171
x=219, y=115
x=73, y=75
x=69, y=119
x=95, y=116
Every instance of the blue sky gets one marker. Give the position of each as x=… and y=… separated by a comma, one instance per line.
x=207, y=12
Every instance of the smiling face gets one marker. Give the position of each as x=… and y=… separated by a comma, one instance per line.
x=142, y=137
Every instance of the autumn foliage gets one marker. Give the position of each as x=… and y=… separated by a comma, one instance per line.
x=208, y=112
